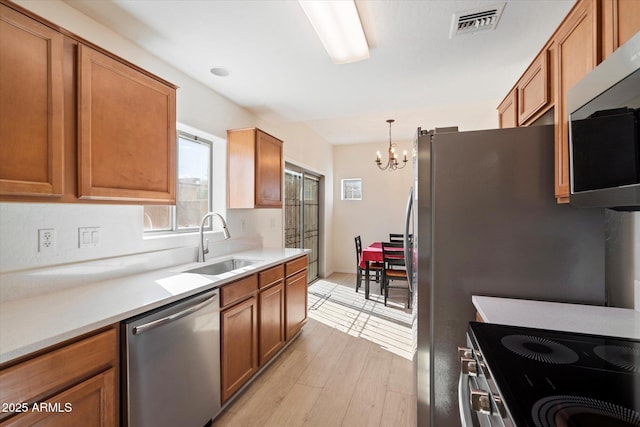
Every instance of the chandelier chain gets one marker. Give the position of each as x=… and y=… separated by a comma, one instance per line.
x=392, y=162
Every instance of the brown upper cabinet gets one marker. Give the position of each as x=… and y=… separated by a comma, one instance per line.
x=254, y=169
x=534, y=90
x=577, y=46
x=591, y=31
x=531, y=96
x=78, y=123
x=32, y=103
x=620, y=22
x=508, y=112
x=126, y=132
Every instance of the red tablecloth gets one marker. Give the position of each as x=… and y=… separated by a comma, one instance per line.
x=373, y=253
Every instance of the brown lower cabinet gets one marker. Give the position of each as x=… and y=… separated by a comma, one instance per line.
x=258, y=315
x=296, y=302
x=271, y=311
x=75, y=384
x=296, y=295
x=239, y=345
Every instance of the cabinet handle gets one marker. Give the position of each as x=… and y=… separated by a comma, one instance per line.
x=157, y=323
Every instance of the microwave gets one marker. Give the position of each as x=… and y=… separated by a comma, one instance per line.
x=604, y=133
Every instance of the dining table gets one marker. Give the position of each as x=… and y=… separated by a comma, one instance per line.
x=373, y=253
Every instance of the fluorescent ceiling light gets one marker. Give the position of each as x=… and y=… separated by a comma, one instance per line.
x=338, y=25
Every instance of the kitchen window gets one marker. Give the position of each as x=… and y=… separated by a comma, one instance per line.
x=352, y=189
x=193, y=196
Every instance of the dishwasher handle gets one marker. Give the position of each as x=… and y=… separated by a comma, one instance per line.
x=157, y=323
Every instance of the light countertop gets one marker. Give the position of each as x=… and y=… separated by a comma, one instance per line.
x=33, y=323
x=588, y=319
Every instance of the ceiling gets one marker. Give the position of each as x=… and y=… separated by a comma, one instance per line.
x=279, y=69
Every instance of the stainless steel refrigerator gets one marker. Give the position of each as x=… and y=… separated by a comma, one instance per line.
x=485, y=222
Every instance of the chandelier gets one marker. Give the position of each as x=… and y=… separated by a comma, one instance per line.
x=392, y=162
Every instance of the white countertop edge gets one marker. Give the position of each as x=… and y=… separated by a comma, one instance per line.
x=587, y=319
x=35, y=323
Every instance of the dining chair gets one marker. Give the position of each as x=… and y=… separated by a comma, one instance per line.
x=394, y=270
x=375, y=268
x=396, y=237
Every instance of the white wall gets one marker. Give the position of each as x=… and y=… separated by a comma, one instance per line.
x=384, y=198
x=121, y=226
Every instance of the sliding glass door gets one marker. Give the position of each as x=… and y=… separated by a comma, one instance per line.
x=302, y=214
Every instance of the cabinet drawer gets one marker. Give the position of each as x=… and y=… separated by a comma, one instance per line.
x=271, y=276
x=296, y=265
x=238, y=291
x=45, y=375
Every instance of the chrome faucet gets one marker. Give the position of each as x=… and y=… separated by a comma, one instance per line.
x=202, y=250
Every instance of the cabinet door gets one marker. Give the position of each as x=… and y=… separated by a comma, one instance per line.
x=92, y=403
x=239, y=345
x=508, y=112
x=620, y=22
x=296, y=302
x=533, y=89
x=269, y=171
x=577, y=53
x=31, y=102
x=126, y=132
x=271, y=321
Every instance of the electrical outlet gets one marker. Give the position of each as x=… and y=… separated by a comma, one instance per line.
x=46, y=240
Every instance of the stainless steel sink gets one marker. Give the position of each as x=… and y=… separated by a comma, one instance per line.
x=223, y=266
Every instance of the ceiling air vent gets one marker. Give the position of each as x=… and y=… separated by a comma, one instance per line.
x=471, y=21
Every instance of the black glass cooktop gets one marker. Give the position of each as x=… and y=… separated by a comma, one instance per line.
x=555, y=379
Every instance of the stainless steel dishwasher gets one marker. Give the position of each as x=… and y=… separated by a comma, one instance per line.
x=171, y=364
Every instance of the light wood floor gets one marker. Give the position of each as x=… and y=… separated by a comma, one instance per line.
x=350, y=366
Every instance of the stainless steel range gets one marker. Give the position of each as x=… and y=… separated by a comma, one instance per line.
x=514, y=376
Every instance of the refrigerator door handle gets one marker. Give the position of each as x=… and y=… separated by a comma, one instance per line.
x=408, y=255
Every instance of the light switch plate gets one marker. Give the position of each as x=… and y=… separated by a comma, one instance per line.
x=88, y=237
